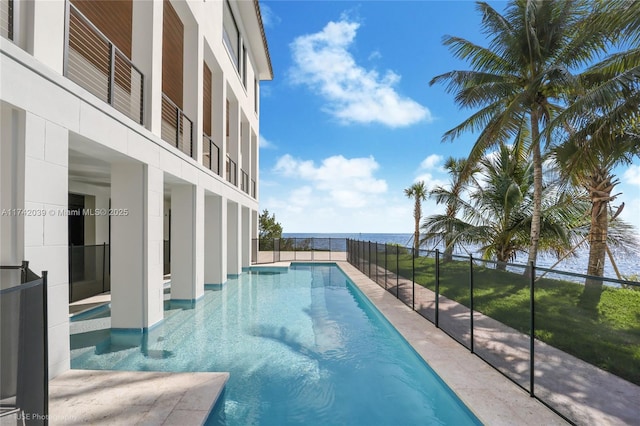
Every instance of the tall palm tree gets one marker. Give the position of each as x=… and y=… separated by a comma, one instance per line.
x=534, y=49
x=417, y=191
x=451, y=197
x=600, y=128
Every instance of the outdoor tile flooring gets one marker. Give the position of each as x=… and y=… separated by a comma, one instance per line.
x=80, y=397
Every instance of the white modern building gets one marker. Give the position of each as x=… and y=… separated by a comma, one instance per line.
x=144, y=113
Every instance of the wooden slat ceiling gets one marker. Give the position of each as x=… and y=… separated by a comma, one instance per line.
x=172, y=54
x=206, y=100
x=112, y=17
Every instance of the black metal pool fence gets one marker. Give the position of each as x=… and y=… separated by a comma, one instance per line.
x=298, y=249
x=24, y=365
x=473, y=301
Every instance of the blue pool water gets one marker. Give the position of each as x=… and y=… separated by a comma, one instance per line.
x=303, y=346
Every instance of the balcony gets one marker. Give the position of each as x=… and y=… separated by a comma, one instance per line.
x=244, y=182
x=232, y=171
x=253, y=188
x=6, y=19
x=211, y=154
x=93, y=62
x=177, y=128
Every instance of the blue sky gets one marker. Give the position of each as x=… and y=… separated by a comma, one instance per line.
x=350, y=120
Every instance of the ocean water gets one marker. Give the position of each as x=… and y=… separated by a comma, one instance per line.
x=628, y=263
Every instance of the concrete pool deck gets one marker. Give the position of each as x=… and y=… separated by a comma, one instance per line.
x=80, y=397
x=118, y=397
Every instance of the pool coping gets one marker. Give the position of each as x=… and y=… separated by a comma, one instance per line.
x=493, y=398
x=79, y=397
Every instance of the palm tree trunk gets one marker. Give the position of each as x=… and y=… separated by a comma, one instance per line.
x=448, y=253
x=448, y=238
x=417, y=213
x=600, y=192
x=537, y=189
x=599, y=187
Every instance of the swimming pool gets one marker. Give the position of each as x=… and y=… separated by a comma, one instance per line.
x=303, y=346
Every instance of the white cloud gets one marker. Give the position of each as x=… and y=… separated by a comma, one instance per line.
x=424, y=173
x=632, y=175
x=354, y=94
x=346, y=183
x=431, y=162
x=269, y=18
x=265, y=143
x=374, y=55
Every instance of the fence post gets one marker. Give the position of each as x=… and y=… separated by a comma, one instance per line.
x=369, y=257
x=376, y=262
x=45, y=341
x=532, y=331
x=71, y=273
x=471, y=301
x=104, y=264
x=23, y=271
x=397, y=271
x=437, y=287
x=385, y=265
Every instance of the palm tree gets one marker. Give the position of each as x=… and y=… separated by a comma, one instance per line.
x=451, y=197
x=600, y=128
x=498, y=214
x=533, y=50
x=417, y=191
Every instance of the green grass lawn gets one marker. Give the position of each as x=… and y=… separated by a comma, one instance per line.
x=606, y=335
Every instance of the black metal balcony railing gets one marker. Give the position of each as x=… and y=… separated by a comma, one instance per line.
x=244, y=183
x=211, y=154
x=6, y=19
x=253, y=188
x=177, y=128
x=232, y=171
x=95, y=63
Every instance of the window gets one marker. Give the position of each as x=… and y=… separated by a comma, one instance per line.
x=231, y=35
x=255, y=94
x=244, y=65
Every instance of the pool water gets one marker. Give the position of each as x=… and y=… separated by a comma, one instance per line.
x=302, y=345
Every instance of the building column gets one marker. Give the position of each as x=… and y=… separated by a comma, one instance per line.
x=234, y=256
x=254, y=236
x=187, y=242
x=45, y=234
x=146, y=54
x=245, y=242
x=11, y=186
x=192, y=90
x=136, y=246
x=215, y=241
x=45, y=31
